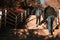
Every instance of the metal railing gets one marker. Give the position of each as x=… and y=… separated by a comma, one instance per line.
x=9, y=18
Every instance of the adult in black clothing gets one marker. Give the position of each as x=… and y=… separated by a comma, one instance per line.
x=50, y=14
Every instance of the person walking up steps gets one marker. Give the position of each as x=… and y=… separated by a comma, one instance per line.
x=38, y=14
x=51, y=14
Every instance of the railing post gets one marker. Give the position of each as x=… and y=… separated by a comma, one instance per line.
x=21, y=17
x=16, y=22
x=5, y=16
x=15, y=25
x=25, y=14
x=0, y=18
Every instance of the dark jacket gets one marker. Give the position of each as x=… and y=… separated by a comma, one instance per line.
x=49, y=11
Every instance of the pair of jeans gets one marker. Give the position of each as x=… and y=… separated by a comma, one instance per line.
x=50, y=23
x=37, y=19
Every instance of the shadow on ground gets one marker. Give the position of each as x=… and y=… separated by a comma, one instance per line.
x=24, y=34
